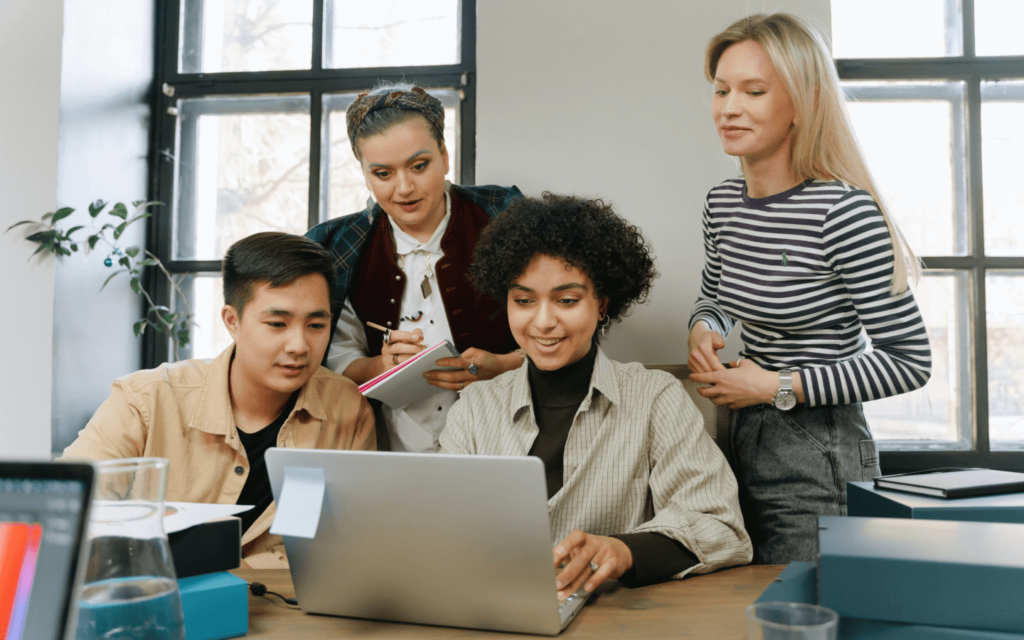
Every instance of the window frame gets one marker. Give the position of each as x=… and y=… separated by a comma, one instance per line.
x=972, y=70
x=170, y=85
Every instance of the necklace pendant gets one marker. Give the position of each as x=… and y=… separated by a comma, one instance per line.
x=425, y=287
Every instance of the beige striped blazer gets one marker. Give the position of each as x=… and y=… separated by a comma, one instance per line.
x=637, y=459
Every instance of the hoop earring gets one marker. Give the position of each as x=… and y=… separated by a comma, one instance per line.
x=602, y=324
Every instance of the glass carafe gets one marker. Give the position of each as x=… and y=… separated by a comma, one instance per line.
x=129, y=590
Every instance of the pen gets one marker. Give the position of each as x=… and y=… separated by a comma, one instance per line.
x=374, y=325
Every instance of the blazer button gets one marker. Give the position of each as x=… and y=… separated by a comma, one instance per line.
x=389, y=323
x=398, y=277
x=392, y=301
x=239, y=470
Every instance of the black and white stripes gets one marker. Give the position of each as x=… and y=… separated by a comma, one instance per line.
x=808, y=272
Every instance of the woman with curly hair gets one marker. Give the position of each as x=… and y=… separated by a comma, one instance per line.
x=403, y=263
x=802, y=251
x=637, y=489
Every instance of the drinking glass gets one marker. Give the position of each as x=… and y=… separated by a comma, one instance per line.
x=130, y=590
x=791, y=621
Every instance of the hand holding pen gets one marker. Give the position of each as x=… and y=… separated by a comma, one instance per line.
x=398, y=345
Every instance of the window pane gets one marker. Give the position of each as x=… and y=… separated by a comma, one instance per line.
x=204, y=298
x=345, y=189
x=243, y=167
x=909, y=143
x=895, y=29
x=391, y=33
x=245, y=35
x=934, y=412
x=997, y=26
x=1002, y=138
x=1004, y=295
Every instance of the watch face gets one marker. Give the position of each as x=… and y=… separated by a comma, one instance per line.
x=784, y=400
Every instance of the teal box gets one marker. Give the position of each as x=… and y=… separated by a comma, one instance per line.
x=216, y=606
x=865, y=501
x=927, y=572
x=798, y=582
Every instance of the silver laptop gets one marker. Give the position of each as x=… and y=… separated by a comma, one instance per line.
x=43, y=513
x=460, y=541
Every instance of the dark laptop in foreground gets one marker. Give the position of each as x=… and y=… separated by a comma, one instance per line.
x=43, y=512
x=460, y=541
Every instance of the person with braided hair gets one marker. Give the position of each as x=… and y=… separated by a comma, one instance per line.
x=402, y=264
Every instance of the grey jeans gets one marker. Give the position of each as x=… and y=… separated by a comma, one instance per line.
x=793, y=466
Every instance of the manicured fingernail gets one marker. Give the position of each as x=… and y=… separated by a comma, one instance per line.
x=558, y=584
x=589, y=587
x=559, y=550
x=561, y=595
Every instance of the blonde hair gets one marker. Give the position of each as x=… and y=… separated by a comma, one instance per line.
x=824, y=145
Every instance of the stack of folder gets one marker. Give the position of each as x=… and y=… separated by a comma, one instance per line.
x=215, y=602
x=911, y=579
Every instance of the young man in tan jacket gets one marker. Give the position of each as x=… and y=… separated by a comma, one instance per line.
x=215, y=420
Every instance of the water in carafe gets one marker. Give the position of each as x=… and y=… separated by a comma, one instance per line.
x=130, y=591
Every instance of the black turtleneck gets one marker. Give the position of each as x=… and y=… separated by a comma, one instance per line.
x=557, y=396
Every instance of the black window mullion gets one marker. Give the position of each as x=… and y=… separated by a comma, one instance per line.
x=317, y=61
x=975, y=182
x=315, y=155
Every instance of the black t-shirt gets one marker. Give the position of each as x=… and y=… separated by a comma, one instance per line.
x=257, y=486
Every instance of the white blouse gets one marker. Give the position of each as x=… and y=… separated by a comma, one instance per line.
x=418, y=426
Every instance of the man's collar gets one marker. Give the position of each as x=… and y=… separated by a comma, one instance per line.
x=213, y=414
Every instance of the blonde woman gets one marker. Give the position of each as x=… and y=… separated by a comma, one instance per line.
x=801, y=250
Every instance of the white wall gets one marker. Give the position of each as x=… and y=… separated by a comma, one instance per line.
x=30, y=64
x=608, y=98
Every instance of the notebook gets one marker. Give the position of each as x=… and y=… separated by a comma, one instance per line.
x=403, y=385
x=954, y=483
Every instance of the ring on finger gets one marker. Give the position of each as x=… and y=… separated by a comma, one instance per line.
x=387, y=336
x=594, y=566
x=474, y=368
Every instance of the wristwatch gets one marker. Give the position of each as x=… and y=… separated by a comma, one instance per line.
x=785, y=398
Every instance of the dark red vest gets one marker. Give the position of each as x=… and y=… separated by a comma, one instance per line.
x=377, y=285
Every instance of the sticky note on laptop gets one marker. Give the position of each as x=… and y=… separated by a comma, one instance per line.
x=298, y=508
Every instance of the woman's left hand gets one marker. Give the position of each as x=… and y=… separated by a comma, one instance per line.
x=743, y=385
x=488, y=366
x=611, y=555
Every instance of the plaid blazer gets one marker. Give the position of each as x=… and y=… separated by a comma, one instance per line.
x=346, y=237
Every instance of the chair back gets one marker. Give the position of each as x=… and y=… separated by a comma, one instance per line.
x=716, y=419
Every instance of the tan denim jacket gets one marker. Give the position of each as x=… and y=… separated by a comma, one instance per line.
x=182, y=412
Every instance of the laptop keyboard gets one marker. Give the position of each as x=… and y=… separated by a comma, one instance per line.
x=562, y=604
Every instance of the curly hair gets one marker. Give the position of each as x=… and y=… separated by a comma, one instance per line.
x=587, y=234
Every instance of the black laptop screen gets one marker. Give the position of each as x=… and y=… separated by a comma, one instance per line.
x=40, y=532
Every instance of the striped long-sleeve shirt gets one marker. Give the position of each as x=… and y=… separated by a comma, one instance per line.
x=808, y=272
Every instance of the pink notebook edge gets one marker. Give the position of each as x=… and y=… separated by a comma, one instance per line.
x=370, y=384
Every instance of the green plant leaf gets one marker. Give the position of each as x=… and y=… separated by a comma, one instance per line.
x=183, y=337
x=124, y=262
x=18, y=224
x=136, y=287
x=43, y=236
x=92, y=241
x=47, y=216
x=136, y=203
x=119, y=230
x=40, y=248
x=132, y=251
x=140, y=216
x=111, y=277
x=119, y=211
x=61, y=214
x=170, y=318
x=96, y=207
x=67, y=234
x=74, y=247
x=157, y=308
x=139, y=327
x=147, y=262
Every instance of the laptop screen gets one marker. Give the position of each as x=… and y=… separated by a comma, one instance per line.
x=42, y=515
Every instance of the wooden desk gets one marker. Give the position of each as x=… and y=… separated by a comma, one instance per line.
x=705, y=607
